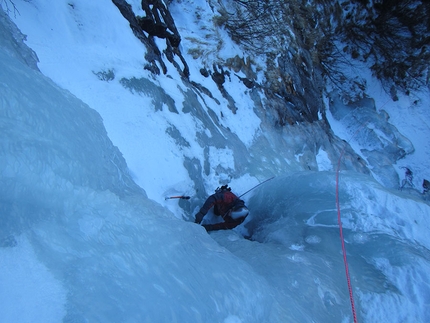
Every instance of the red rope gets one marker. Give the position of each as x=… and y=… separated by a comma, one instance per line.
x=345, y=261
x=339, y=220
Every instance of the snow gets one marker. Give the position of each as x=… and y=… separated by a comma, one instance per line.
x=324, y=162
x=96, y=45
x=409, y=114
x=80, y=241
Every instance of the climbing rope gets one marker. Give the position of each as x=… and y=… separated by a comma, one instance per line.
x=339, y=220
x=345, y=261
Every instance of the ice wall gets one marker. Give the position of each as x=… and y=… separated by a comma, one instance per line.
x=369, y=131
x=79, y=241
x=174, y=132
x=294, y=221
x=77, y=233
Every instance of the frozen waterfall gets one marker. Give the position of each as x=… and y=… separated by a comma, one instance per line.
x=81, y=242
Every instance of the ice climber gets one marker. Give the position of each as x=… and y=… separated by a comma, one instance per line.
x=227, y=205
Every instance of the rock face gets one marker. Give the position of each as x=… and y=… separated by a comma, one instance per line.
x=288, y=98
x=157, y=23
x=291, y=82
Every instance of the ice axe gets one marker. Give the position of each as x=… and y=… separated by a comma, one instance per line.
x=178, y=197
